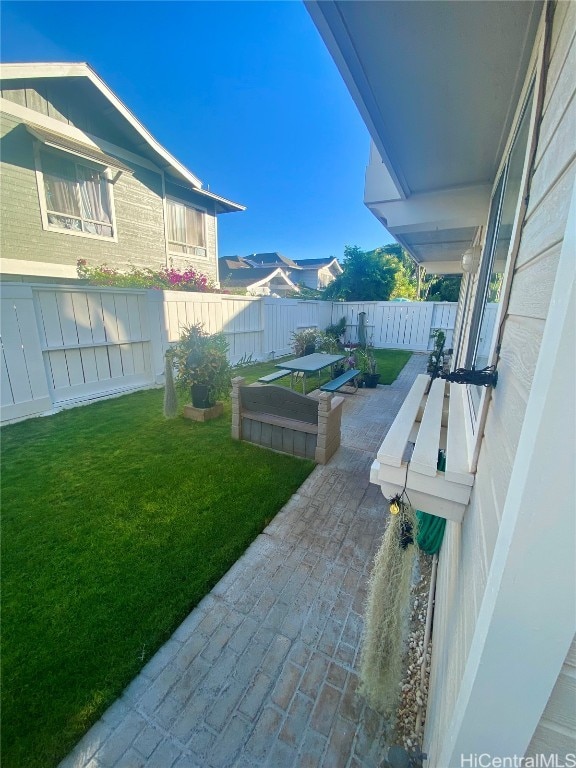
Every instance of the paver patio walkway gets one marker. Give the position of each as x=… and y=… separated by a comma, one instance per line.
x=264, y=671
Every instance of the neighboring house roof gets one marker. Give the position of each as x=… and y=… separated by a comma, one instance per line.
x=122, y=117
x=236, y=274
x=270, y=259
x=330, y=261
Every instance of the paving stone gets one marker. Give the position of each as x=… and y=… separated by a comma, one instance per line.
x=299, y=654
x=201, y=743
x=340, y=744
x=325, y=709
x=275, y=654
x=314, y=675
x=131, y=759
x=187, y=761
x=147, y=740
x=226, y=702
x=243, y=634
x=230, y=742
x=296, y=720
x=312, y=749
x=164, y=756
x=336, y=675
x=120, y=740
x=282, y=756
x=88, y=745
x=286, y=685
x=264, y=733
x=351, y=703
x=160, y=659
x=329, y=638
x=167, y=712
x=255, y=694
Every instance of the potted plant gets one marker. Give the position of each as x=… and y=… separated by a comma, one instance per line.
x=304, y=342
x=201, y=364
x=367, y=364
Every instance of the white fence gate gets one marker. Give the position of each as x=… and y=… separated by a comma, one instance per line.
x=64, y=345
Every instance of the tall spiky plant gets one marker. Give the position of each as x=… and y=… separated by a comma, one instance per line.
x=170, y=397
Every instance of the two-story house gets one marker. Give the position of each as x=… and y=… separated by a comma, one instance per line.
x=82, y=178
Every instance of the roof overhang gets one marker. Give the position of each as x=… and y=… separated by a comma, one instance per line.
x=78, y=148
x=437, y=84
x=147, y=144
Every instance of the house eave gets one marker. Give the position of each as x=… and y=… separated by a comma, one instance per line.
x=163, y=158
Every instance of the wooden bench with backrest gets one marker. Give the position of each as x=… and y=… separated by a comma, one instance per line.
x=286, y=421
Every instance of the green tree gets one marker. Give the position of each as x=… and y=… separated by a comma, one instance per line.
x=405, y=270
x=367, y=276
x=443, y=288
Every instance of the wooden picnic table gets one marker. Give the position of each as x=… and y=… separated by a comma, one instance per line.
x=313, y=363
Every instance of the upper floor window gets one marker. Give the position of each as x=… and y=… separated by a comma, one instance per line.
x=78, y=198
x=186, y=229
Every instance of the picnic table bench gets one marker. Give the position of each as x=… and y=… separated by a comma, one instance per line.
x=273, y=376
x=342, y=380
x=286, y=421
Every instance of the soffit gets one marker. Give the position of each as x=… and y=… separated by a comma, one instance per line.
x=437, y=82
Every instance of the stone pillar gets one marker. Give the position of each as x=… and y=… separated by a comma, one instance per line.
x=237, y=382
x=329, y=417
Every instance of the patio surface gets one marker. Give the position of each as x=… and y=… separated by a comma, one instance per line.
x=263, y=673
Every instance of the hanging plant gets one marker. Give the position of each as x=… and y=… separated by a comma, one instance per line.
x=387, y=611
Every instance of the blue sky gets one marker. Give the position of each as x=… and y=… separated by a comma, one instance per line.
x=245, y=94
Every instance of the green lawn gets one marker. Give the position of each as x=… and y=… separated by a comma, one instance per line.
x=115, y=524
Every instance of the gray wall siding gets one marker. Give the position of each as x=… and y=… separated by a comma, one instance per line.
x=466, y=554
x=71, y=101
x=137, y=203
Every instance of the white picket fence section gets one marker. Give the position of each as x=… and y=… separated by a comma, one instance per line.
x=67, y=345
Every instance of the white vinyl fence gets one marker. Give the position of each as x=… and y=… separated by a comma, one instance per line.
x=67, y=345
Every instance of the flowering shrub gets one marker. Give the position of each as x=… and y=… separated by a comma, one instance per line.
x=166, y=278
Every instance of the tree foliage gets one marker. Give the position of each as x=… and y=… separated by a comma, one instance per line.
x=366, y=277
x=385, y=273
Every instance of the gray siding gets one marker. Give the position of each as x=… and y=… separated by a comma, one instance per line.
x=72, y=101
x=467, y=551
x=137, y=199
x=137, y=202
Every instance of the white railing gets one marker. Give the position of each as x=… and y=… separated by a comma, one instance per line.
x=64, y=345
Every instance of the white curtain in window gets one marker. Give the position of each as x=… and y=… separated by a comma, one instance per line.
x=194, y=227
x=59, y=179
x=177, y=226
x=94, y=200
x=74, y=190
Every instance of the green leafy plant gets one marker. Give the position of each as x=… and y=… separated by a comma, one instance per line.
x=201, y=358
x=366, y=361
x=166, y=278
x=303, y=342
x=337, y=330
